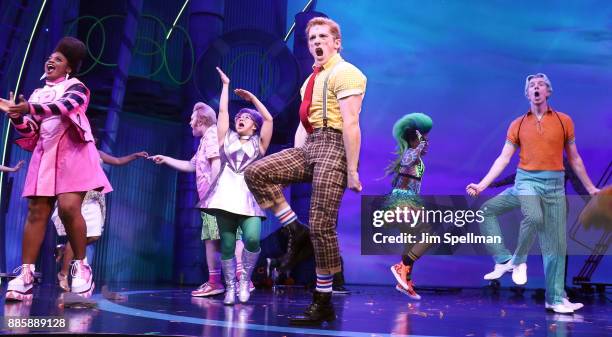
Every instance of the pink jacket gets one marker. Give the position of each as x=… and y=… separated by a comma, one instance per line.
x=69, y=162
x=27, y=126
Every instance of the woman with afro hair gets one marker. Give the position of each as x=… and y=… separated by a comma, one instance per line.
x=65, y=164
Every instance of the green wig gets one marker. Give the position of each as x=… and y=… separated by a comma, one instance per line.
x=413, y=121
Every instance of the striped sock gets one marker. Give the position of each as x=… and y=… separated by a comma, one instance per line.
x=239, y=268
x=410, y=259
x=214, y=276
x=286, y=216
x=324, y=283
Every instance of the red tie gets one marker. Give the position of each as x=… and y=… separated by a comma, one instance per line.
x=305, y=106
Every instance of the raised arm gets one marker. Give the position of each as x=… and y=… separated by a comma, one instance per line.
x=109, y=159
x=496, y=169
x=223, y=118
x=265, y=133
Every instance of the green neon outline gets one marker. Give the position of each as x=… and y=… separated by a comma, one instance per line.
x=6, y=126
x=84, y=72
x=193, y=60
x=176, y=20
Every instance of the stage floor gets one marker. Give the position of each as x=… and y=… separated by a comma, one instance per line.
x=369, y=311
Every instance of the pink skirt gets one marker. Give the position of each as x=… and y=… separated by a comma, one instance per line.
x=62, y=162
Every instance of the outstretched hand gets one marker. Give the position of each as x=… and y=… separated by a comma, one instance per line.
x=18, y=166
x=16, y=109
x=474, y=190
x=245, y=95
x=224, y=78
x=598, y=211
x=594, y=191
x=141, y=154
x=158, y=159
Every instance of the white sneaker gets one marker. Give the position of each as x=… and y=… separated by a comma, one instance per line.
x=82, y=278
x=499, y=270
x=559, y=308
x=574, y=306
x=519, y=274
x=20, y=288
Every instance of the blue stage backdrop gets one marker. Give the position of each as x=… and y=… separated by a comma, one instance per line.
x=464, y=63
x=138, y=240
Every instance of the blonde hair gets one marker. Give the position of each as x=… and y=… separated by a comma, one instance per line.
x=334, y=28
x=205, y=114
x=538, y=75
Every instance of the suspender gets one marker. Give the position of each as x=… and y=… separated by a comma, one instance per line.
x=518, y=133
x=325, y=93
x=562, y=127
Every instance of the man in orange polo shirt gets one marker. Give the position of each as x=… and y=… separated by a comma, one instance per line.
x=541, y=135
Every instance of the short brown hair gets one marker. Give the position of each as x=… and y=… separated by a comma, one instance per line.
x=334, y=28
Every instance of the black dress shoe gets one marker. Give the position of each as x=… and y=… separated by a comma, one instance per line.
x=340, y=290
x=298, y=237
x=319, y=311
x=338, y=284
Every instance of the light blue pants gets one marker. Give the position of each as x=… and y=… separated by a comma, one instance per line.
x=541, y=198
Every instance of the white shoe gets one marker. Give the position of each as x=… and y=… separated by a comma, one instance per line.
x=559, y=308
x=519, y=274
x=82, y=278
x=20, y=288
x=499, y=270
x=574, y=306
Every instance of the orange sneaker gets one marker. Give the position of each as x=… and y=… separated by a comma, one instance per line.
x=408, y=291
x=401, y=273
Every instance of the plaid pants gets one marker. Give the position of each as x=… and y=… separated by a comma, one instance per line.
x=322, y=161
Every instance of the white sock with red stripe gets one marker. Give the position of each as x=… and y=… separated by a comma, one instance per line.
x=214, y=276
x=286, y=216
x=239, y=269
x=324, y=283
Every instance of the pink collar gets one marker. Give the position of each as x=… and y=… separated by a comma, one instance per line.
x=56, y=82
